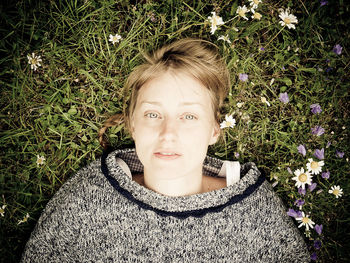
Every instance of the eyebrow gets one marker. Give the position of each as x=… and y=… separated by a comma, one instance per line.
x=181, y=104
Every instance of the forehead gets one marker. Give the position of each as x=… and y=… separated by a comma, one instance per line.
x=179, y=87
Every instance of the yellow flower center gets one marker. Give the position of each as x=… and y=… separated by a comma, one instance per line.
x=215, y=21
x=34, y=61
x=256, y=2
x=305, y=220
x=314, y=165
x=302, y=178
x=287, y=20
x=257, y=15
x=335, y=191
x=241, y=12
x=227, y=123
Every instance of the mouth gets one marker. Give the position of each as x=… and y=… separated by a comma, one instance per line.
x=166, y=155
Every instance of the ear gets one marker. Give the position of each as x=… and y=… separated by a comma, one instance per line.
x=215, y=134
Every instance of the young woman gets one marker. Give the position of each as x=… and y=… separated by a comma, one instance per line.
x=166, y=200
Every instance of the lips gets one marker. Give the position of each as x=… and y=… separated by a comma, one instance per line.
x=167, y=154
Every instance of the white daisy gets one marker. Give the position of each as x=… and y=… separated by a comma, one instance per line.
x=241, y=11
x=215, y=22
x=256, y=15
x=225, y=38
x=336, y=190
x=254, y=3
x=24, y=219
x=288, y=19
x=264, y=100
x=314, y=167
x=301, y=178
x=305, y=221
x=2, y=210
x=228, y=122
x=34, y=61
x=240, y=104
x=40, y=160
x=114, y=39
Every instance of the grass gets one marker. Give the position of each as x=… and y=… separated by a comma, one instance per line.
x=57, y=110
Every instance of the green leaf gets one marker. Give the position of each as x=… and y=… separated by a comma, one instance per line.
x=287, y=81
x=283, y=88
x=311, y=70
x=72, y=111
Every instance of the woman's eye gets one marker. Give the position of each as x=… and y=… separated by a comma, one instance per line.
x=190, y=117
x=152, y=115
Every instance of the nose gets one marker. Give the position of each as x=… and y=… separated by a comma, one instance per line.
x=168, y=131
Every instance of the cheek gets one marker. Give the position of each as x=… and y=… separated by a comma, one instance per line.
x=144, y=135
x=196, y=140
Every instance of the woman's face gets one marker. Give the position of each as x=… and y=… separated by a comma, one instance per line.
x=173, y=124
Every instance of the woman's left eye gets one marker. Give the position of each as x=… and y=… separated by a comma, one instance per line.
x=190, y=117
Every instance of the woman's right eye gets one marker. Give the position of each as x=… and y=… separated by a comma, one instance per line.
x=151, y=115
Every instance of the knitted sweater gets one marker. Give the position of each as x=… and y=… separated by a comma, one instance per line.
x=101, y=215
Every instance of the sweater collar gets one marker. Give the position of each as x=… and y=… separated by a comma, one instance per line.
x=181, y=206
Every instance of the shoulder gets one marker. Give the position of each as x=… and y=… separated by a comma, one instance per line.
x=63, y=215
x=76, y=190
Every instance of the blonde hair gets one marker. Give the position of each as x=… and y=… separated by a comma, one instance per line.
x=195, y=57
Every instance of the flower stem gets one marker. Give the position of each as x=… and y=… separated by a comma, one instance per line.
x=274, y=37
x=231, y=19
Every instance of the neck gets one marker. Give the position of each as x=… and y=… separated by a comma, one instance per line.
x=181, y=185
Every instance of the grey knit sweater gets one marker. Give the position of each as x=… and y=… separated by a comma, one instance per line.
x=101, y=215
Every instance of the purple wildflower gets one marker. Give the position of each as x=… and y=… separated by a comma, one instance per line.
x=319, y=154
x=299, y=202
x=262, y=49
x=337, y=49
x=243, y=77
x=317, y=130
x=301, y=149
x=312, y=187
x=291, y=212
x=339, y=154
x=328, y=144
x=325, y=175
x=318, y=229
x=317, y=244
x=315, y=108
x=313, y=256
x=284, y=97
x=236, y=155
x=328, y=69
x=283, y=68
x=301, y=191
x=323, y=2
